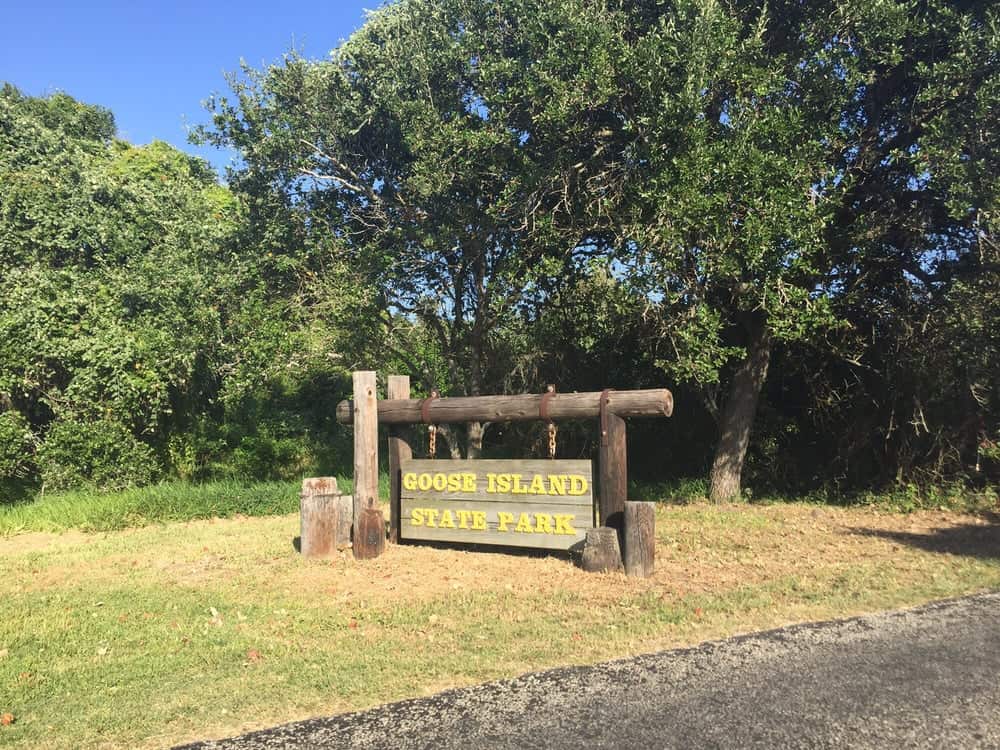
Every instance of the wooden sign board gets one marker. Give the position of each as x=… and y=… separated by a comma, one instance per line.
x=538, y=503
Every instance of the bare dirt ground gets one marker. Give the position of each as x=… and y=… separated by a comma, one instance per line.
x=699, y=549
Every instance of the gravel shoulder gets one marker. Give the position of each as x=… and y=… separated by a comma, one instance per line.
x=923, y=677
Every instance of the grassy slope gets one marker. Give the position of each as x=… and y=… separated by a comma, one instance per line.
x=182, y=501
x=167, y=502
x=152, y=636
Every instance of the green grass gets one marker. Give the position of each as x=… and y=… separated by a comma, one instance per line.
x=902, y=498
x=89, y=510
x=174, y=501
x=906, y=498
x=681, y=491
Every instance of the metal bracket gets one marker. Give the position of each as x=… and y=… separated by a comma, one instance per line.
x=543, y=408
x=425, y=407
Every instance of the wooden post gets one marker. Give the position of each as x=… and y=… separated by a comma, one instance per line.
x=601, y=553
x=612, y=460
x=399, y=451
x=365, y=453
x=325, y=518
x=640, y=538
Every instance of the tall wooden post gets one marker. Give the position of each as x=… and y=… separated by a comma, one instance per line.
x=613, y=459
x=365, y=448
x=399, y=451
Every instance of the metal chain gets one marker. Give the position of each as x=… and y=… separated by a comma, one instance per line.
x=543, y=412
x=432, y=429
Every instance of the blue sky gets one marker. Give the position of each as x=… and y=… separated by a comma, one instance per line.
x=152, y=64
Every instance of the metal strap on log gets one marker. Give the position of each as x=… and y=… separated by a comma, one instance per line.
x=425, y=405
x=543, y=408
x=654, y=402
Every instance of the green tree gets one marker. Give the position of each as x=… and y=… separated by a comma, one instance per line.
x=726, y=217
x=796, y=167
x=111, y=259
x=912, y=239
x=428, y=176
x=767, y=176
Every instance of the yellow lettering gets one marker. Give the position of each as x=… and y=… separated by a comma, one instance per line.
x=524, y=524
x=468, y=482
x=440, y=482
x=431, y=517
x=504, y=519
x=537, y=485
x=409, y=481
x=463, y=518
x=417, y=517
x=479, y=520
x=503, y=483
x=564, y=524
x=424, y=482
x=454, y=482
x=543, y=523
x=491, y=483
x=518, y=488
x=447, y=520
x=577, y=485
x=557, y=484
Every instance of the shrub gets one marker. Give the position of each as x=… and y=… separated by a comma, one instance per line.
x=17, y=444
x=99, y=453
x=268, y=456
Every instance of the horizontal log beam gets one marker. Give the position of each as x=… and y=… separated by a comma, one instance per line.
x=656, y=402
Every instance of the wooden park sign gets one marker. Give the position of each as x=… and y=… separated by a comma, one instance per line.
x=541, y=503
x=549, y=504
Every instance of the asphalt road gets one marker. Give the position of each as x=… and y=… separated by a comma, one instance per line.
x=919, y=678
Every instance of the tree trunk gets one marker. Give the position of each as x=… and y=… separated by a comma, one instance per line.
x=474, y=439
x=474, y=429
x=446, y=433
x=738, y=415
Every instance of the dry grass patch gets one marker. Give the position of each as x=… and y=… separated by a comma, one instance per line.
x=153, y=636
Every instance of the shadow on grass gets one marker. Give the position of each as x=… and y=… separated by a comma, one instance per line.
x=497, y=549
x=970, y=540
x=572, y=554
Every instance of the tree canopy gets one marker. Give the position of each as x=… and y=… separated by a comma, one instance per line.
x=751, y=170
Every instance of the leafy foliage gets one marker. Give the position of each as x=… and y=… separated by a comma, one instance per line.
x=419, y=164
x=787, y=179
x=16, y=445
x=110, y=322
x=104, y=453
